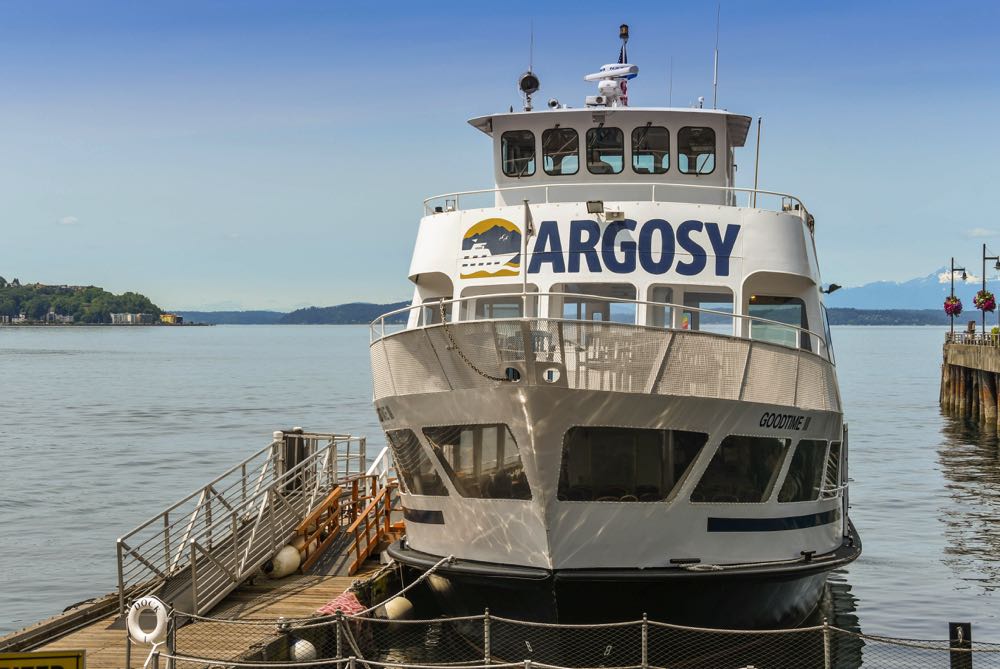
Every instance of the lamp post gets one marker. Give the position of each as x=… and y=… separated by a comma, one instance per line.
x=996, y=267
x=952, y=275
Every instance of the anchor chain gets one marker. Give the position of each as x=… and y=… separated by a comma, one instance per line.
x=454, y=347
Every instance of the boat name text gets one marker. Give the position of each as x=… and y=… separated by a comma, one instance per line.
x=785, y=421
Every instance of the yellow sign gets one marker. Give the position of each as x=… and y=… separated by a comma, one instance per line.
x=55, y=659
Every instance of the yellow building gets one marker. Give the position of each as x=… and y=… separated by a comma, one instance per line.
x=171, y=319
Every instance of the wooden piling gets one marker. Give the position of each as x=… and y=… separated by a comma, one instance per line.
x=989, y=397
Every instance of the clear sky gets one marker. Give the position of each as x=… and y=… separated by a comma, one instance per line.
x=249, y=154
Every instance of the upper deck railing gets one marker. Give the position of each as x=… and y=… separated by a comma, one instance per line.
x=771, y=331
x=646, y=191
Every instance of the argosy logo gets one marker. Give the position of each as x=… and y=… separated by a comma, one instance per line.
x=654, y=248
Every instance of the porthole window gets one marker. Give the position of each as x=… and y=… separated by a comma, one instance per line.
x=560, y=151
x=650, y=150
x=517, y=149
x=605, y=150
x=696, y=150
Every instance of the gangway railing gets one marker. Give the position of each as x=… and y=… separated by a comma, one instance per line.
x=201, y=547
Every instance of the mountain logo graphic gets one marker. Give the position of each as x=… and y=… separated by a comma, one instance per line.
x=490, y=248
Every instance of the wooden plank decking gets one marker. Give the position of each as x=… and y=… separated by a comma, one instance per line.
x=295, y=596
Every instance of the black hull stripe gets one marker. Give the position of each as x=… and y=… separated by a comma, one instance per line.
x=423, y=516
x=772, y=524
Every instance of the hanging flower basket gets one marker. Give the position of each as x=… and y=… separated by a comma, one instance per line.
x=952, y=306
x=985, y=301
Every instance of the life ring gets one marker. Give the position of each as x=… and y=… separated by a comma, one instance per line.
x=159, y=633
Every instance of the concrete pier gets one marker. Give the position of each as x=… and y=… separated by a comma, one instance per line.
x=970, y=378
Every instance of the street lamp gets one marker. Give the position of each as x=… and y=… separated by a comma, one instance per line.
x=997, y=267
x=952, y=275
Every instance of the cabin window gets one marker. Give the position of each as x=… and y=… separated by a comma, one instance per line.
x=605, y=150
x=620, y=464
x=805, y=473
x=506, y=306
x=743, y=470
x=432, y=310
x=413, y=465
x=517, y=148
x=560, y=151
x=650, y=150
x=831, y=481
x=482, y=461
x=656, y=315
x=717, y=316
x=791, y=311
x=696, y=150
x=595, y=302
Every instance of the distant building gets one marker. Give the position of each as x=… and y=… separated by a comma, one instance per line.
x=4, y=319
x=171, y=319
x=132, y=319
x=20, y=318
x=53, y=317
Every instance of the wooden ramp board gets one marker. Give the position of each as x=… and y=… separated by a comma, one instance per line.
x=296, y=596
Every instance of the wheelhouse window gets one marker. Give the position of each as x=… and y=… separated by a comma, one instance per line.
x=413, y=465
x=743, y=470
x=619, y=464
x=595, y=302
x=517, y=149
x=605, y=150
x=717, y=316
x=788, y=310
x=503, y=306
x=560, y=151
x=650, y=150
x=482, y=461
x=805, y=473
x=696, y=150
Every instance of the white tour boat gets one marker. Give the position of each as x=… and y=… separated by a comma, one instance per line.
x=615, y=392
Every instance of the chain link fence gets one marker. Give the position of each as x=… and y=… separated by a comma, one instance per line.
x=481, y=641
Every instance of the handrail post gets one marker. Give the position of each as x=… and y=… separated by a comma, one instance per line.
x=487, y=653
x=194, y=580
x=350, y=662
x=826, y=645
x=339, y=622
x=166, y=540
x=645, y=641
x=121, y=578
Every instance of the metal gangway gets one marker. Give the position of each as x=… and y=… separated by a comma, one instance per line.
x=202, y=547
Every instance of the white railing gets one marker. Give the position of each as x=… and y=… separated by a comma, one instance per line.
x=732, y=195
x=430, y=313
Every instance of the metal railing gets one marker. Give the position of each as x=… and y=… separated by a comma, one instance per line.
x=786, y=202
x=204, y=545
x=769, y=331
x=972, y=338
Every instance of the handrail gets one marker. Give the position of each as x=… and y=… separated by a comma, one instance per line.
x=456, y=196
x=800, y=331
x=376, y=517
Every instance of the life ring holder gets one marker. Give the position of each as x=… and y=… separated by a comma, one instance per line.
x=159, y=633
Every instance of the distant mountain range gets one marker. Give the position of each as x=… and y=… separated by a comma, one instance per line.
x=926, y=292
x=343, y=314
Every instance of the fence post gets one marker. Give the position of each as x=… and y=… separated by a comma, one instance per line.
x=486, y=637
x=350, y=662
x=645, y=641
x=826, y=645
x=340, y=621
x=960, y=641
x=171, y=636
x=128, y=650
x=527, y=664
x=155, y=657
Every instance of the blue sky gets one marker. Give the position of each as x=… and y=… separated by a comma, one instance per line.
x=249, y=154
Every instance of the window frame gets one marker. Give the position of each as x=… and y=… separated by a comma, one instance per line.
x=647, y=128
x=576, y=136
x=802, y=336
x=587, y=150
x=534, y=155
x=715, y=151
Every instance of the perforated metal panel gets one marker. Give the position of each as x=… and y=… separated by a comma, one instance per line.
x=415, y=367
x=813, y=391
x=704, y=365
x=771, y=376
x=381, y=379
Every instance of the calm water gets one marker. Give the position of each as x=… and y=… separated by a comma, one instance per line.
x=102, y=427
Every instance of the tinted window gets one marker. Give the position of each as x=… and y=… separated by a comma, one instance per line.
x=805, y=473
x=582, y=308
x=619, y=464
x=560, y=151
x=743, y=470
x=605, y=148
x=831, y=481
x=413, y=465
x=696, y=150
x=711, y=322
x=790, y=310
x=481, y=460
x=517, y=148
x=650, y=150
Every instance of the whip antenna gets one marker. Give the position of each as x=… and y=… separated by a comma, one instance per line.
x=715, y=73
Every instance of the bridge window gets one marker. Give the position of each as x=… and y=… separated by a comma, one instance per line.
x=413, y=465
x=716, y=318
x=605, y=150
x=696, y=150
x=650, y=150
x=482, y=461
x=788, y=310
x=560, y=151
x=620, y=464
x=743, y=470
x=805, y=473
x=517, y=148
x=595, y=302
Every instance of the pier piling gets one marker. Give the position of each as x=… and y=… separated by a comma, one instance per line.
x=970, y=378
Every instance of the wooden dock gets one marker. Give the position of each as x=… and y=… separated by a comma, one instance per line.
x=970, y=377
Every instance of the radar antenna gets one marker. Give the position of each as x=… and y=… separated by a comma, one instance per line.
x=612, y=86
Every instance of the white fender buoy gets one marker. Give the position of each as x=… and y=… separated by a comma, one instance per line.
x=285, y=562
x=398, y=608
x=159, y=633
x=302, y=650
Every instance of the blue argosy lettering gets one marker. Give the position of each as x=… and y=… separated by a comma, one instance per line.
x=619, y=247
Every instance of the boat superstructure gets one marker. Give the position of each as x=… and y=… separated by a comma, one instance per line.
x=615, y=393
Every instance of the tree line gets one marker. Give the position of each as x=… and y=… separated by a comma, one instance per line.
x=86, y=304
